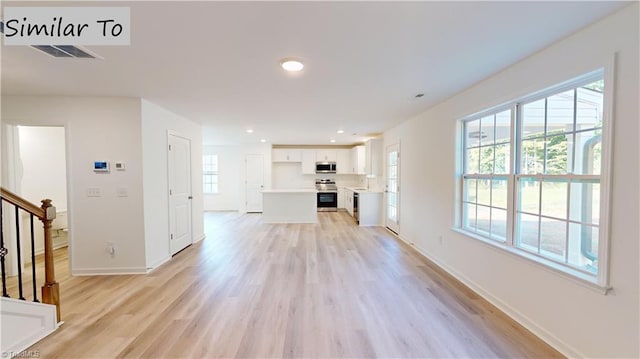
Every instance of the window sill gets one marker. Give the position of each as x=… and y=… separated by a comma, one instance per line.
x=575, y=276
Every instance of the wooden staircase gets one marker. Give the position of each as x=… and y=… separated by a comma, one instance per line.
x=25, y=319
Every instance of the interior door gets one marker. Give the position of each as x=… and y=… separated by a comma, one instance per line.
x=392, y=188
x=254, y=182
x=179, y=193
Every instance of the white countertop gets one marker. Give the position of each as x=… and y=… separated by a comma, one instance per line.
x=295, y=190
x=361, y=190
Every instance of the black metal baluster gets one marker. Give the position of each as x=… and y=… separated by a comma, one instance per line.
x=21, y=297
x=33, y=263
x=3, y=252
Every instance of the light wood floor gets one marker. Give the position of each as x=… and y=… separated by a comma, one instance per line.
x=61, y=265
x=253, y=290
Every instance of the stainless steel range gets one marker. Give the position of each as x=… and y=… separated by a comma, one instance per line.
x=327, y=195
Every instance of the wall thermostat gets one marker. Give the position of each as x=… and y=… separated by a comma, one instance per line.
x=119, y=166
x=100, y=166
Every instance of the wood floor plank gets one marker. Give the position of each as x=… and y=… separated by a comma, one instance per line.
x=254, y=290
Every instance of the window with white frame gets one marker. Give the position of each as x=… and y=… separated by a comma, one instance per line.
x=532, y=173
x=210, y=173
x=486, y=174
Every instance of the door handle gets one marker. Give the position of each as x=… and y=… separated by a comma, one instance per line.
x=190, y=197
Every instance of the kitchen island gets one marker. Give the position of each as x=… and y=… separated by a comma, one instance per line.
x=370, y=206
x=289, y=206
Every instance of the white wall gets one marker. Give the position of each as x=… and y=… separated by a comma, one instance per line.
x=229, y=186
x=96, y=129
x=11, y=180
x=42, y=155
x=576, y=320
x=289, y=175
x=156, y=123
x=232, y=196
x=115, y=129
x=42, y=151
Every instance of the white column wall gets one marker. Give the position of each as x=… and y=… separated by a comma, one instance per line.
x=156, y=124
x=97, y=128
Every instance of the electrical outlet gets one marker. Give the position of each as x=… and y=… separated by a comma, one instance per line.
x=111, y=248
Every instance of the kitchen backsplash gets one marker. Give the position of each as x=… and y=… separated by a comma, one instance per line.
x=289, y=176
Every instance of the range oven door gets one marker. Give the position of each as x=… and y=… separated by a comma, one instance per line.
x=327, y=201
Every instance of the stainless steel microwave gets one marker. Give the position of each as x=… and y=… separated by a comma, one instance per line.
x=325, y=167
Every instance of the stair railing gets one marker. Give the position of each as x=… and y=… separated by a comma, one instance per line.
x=46, y=213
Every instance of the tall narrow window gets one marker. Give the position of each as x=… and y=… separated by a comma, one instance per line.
x=545, y=201
x=486, y=174
x=210, y=173
x=558, y=181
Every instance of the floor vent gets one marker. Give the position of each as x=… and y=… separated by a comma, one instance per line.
x=69, y=51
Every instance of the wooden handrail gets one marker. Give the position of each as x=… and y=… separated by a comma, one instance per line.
x=46, y=213
x=23, y=203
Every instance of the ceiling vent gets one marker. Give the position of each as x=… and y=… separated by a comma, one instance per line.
x=69, y=51
x=64, y=51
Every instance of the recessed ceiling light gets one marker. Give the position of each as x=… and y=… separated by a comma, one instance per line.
x=340, y=131
x=263, y=140
x=332, y=141
x=291, y=64
x=249, y=131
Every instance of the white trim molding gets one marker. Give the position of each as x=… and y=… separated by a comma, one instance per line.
x=109, y=271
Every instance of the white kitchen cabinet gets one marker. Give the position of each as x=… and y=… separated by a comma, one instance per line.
x=308, y=162
x=286, y=155
x=373, y=157
x=358, y=155
x=348, y=200
x=343, y=161
x=326, y=155
x=341, y=198
x=370, y=208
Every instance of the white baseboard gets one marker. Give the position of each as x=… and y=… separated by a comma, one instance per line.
x=109, y=271
x=370, y=225
x=200, y=237
x=513, y=313
x=55, y=246
x=157, y=264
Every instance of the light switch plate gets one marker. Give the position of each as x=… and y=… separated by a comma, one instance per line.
x=94, y=192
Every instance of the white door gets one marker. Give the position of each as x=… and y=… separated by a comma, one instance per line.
x=179, y=193
x=254, y=182
x=392, y=188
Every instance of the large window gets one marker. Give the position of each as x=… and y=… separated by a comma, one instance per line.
x=532, y=173
x=487, y=166
x=210, y=173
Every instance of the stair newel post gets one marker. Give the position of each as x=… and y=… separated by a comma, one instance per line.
x=50, y=289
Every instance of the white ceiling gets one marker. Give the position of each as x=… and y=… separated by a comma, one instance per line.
x=217, y=63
